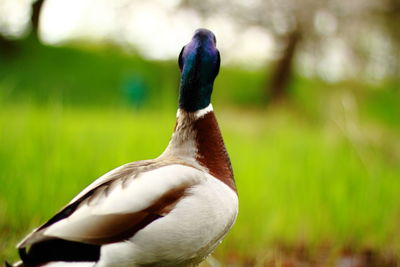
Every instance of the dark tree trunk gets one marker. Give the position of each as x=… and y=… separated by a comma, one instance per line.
x=277, y=88
x=7, y=47
x=35, y=18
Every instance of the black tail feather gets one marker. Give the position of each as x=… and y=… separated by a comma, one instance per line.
x=59, y=250
x=23, y=255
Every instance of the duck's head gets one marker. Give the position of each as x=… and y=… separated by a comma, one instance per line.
x=199, y=63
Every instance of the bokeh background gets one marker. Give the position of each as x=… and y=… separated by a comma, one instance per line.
x=308, y=101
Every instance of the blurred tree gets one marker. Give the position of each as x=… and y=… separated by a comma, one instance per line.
x=291, y=22
x=35, y=18
x=276, y=89
x=312, y=28
x=391, y=21
x=9, y=46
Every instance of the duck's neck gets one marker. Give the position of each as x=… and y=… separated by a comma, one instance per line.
x=197, y=140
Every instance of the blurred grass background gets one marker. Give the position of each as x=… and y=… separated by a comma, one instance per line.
x=316, y=160
x=320, y=170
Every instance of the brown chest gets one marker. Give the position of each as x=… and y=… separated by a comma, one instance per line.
x=211, y=151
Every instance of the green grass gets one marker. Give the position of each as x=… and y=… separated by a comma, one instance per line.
x=321, y=169
x=298, y=182
x=74, y=76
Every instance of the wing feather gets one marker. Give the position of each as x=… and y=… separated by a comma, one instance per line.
x=117, y=208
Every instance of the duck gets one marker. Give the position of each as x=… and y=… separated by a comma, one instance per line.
x=173, y=210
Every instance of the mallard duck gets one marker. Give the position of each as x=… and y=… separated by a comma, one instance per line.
x=173, y=210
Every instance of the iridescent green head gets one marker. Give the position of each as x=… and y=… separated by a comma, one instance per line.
x=199, y=62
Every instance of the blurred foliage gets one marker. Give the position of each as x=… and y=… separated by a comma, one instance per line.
x=321, y=168
x=103, y=75
x=75, y=77
x=299, y=183
x=331, y=39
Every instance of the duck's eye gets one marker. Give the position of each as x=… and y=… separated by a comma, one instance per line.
x=180, y=59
